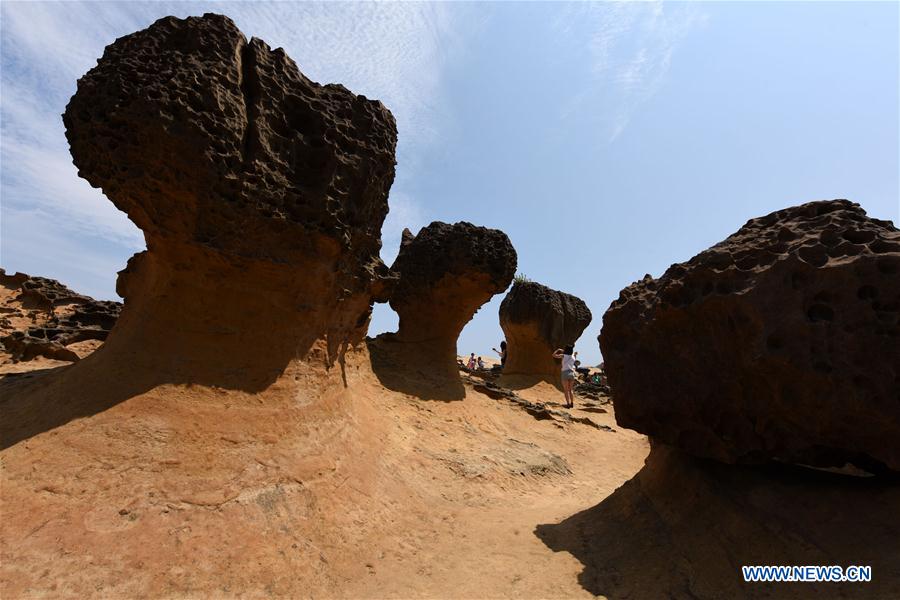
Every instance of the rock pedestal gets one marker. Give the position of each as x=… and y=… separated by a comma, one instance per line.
x=537, y=320
x=445, y=274
x=261, y=195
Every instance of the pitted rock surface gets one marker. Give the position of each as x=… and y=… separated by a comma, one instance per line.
x=781, y=342
x=261, y=193
x=445, y=273
x=201, y=136
x=537, y=320
x=442, y=276
x=56, y=317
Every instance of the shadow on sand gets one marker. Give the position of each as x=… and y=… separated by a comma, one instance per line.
x=125, y=367
x=35, y=402
x=415, y=369
x=683, y=527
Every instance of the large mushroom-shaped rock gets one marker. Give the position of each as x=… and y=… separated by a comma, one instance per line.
x=781, y=342
x=536, y=320
x=444, y=275
x=261, y=195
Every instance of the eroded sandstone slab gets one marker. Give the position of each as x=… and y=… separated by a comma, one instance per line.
x=43, y=317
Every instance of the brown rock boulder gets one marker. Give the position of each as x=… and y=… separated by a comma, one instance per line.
x=781, y=342
x=445, y=273
x=443, y=276
x=261, y=195
x=536, y=320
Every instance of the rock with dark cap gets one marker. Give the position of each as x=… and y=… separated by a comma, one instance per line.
x=537, y=320
x=780, y=343
x=261, y=194
x=445, y=274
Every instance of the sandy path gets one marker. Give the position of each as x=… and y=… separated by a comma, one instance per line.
x=189, y=491
x=475, y=533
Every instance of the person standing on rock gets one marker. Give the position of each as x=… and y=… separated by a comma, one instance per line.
x=502, y=353
x=567, y=372
x=471, y=364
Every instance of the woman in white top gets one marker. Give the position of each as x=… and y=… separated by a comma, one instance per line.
x=567, y=372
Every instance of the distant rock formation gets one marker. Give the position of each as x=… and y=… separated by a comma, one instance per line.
x=445, y=273
x=537, y=320
x=781, y=342
x=443, y=276
x=261, y=195
x=40, y=317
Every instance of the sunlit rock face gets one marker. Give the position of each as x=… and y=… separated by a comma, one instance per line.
x=261, y=195
x=780, y=342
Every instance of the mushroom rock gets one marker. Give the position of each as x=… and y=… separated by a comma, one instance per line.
x=779, y=343
x=445, y=274
x=537, y=320
x=261, y=195
x=217, y=395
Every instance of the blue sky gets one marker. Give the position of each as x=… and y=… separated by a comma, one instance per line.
x=608, y=140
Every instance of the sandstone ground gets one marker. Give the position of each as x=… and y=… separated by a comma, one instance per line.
x=361, y=492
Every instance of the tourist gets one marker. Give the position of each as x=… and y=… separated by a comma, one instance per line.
x=567, y=372
x=480, y=363
x=471, y=364
x=502, y=353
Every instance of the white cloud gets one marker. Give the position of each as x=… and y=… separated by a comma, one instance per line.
x=630, y=47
